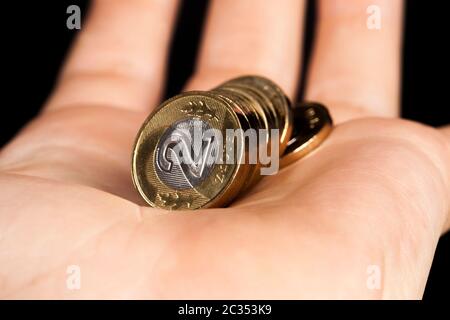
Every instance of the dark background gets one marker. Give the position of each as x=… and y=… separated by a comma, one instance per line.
x=35, y=40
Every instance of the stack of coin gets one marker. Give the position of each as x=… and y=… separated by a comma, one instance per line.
x=182, y=158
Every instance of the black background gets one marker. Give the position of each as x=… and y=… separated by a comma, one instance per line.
x=35, y=40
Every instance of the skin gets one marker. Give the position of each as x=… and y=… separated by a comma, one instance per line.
x=375, y=194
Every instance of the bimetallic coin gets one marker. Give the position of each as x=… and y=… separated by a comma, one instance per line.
x=167, y=170
x=260, y=103
x=257, y=107
x=257, y=121
x=280, y=103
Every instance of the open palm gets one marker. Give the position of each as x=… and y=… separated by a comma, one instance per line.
x=376, y=194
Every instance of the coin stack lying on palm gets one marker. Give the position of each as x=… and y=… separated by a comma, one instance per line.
x=179, y=129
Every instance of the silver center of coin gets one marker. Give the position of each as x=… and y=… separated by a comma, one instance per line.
x=186, y=154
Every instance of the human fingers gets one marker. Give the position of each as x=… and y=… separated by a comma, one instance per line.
x=119, y=57
x=355, y=68
x=251, y=37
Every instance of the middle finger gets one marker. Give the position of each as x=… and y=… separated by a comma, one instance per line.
x=251, y=37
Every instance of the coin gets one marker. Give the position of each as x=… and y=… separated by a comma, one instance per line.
x=281, y=106
x=160, y=176
x=254, y=106
x=273, y=103
x=313, y=124
x=196, y=150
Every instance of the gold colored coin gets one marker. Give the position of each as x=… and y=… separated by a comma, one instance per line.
x=313, y=124
x=258, y=121
x=280, y=105
x=257, y=106
x=261, y=103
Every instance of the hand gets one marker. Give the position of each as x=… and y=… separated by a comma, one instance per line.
x=375, y=194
